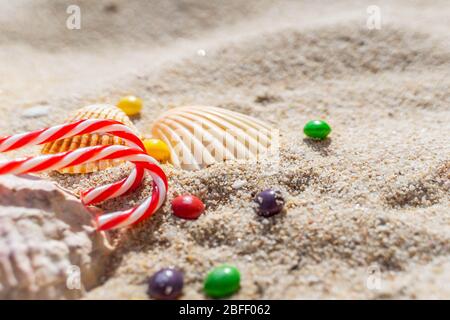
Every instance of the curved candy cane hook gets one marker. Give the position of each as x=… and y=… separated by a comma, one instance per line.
x=134, y=152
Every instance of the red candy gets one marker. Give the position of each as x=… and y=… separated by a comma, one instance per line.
x=187, y=207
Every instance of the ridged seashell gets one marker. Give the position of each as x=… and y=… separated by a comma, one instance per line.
x=198, y=136
x=96, y=111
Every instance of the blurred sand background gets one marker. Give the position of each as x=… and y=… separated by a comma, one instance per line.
x=372, y=198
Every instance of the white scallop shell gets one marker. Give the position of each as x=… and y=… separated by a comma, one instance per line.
x=198, y=136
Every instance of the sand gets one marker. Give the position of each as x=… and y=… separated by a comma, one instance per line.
x=367, y=211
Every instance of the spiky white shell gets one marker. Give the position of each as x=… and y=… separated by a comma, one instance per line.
x=198, y=136
x=49, y=247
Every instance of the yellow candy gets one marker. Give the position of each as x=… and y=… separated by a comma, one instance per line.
x=157, y=149
x=131, y=105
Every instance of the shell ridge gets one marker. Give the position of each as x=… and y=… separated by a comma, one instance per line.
x=249, y=130
x=183, y=146
x=242, y=148
x=239, y=115
x=262, y=135
x=232, y=144
x=173, y=155
x=214, y=138
x=210, y=134
x=242, y=118
x=196, y=142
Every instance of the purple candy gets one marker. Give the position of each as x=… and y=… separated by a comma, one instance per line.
x=166, y=284
x=270, y=202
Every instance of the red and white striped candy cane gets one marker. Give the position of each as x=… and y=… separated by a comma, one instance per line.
x=78, y=128
x=134, y=152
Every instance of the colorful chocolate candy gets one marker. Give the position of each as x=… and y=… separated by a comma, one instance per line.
x=222, y=281
x=157, y=149
x=131, y=105
x=317, y=129
x=269, y=202
x=166, y=284
x=187, y=207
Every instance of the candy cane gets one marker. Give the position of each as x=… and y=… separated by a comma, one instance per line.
x=134, y=153
x=78, y=128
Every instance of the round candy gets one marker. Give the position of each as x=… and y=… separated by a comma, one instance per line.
x=222, y=281
x=166, y=284
x=157, y=149
x=131, y=105
x=317, y=129
x=269, y=202
x=187, y=207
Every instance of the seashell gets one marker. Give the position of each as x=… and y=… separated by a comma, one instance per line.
x=49, y=246
x=198, y=136
x=96, y=111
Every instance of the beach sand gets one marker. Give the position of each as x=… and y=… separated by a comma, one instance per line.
x=367, y=210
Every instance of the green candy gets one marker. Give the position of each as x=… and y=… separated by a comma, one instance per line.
x=317, y=129
x=222, y=281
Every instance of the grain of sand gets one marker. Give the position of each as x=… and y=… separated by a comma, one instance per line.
x=372, y=198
